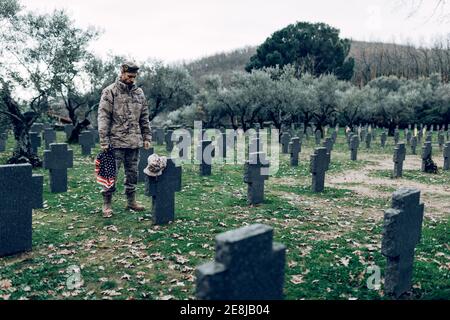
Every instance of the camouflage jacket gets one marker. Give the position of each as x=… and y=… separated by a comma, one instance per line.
x=123, y=117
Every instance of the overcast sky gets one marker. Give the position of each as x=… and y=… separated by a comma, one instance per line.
x=172, y=30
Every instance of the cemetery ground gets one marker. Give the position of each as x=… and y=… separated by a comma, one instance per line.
x=331, y=237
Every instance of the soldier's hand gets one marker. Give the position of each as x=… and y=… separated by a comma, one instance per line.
x=104, y=147
x=146, y=145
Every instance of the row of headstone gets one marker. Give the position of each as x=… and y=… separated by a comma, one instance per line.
x=248, y=265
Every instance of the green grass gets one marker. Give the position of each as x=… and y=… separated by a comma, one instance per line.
x=128, y=257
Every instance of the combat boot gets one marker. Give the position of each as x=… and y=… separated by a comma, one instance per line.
x=107, y=206
x=132, y=204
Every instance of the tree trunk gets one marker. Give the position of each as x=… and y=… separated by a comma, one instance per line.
x=80, y=126
x=23, y=152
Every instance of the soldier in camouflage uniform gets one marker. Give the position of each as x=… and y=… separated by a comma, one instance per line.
x=124, y=125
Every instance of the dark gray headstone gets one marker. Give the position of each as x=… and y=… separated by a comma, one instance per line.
x=401, y=233
x=319, y=163
x=37, y=127
x=295, y=147
x=86, y=140
x=414, y=145
x=383, y=138
x=368, y=140
x=35, y=140
x=49, y=136
x=396, y=136
x=21, y=191
x=441, y=140
x=285, y=139
x=318, y=137
x=159, y=136
x=427, y=152
x=68, y=128
x=205, y=153
x=248, y=266
x=399, y=157
x=57, y=160
x=408, y=138
x=447, y=156
x=143, y=162
x=162, y=190
x=3, y=139
x=95, y=135
x=255, y=173
x=168, y=140
x=354, y=145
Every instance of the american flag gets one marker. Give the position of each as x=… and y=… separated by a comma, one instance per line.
x=105, y=168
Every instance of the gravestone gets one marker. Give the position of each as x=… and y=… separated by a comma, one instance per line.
x=420, y=136
x=318, y=165
x=57, y=160
x=37, y=127
x=285, y=139
x=401, y=233
x=295, y=147
x=68, y=128
x=354, y=145
x=408, y=138
x=441, y=140
x=21, y=192
x=248, y=266
x=143, y=162
x=334, y=135
x=35, y=141
x=86, y=140
x=205, y=152
x=168, y=140
x=362, y=135
x=318, y=137
x=399, y=157
x=3, y=138
x=255, y=173
x=95, y=135
x=396, y=136
x=368, y=140
x=429, y=137
x=159, y=136
x=383, y=138
x=49, y=136
x=349, y=138
x=414, y=145
x=162, y=190
x=447, y=156
x=427, y=152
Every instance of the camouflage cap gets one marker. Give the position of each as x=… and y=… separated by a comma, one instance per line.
x=129, y=66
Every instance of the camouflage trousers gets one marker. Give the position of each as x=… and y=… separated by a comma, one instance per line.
x=129, y=159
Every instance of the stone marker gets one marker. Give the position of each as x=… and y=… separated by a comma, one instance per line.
x=401, y=233
x=37, y=127
x=285, y=139
x=383, y=138
x=49, y=136
x=255, y=173
x=142, y=164
x=318, y=137
x=354, y=145
x=295, y=147
x=21, y=192
x=159, y=136
x=35, y=140
x=95, y=135
x=248, y=266
x=162, y=190
x=396, y=136
x=86, y=140
x=447, y=156
x=3, y=138
x=68, y=128
x=399, y=157
x=414, y=145
x=427, y=152
x=57, y=160
x=408, y=138
x=205, y=153
x=168, y=140
x=318, y=165
x=368, y=140
x=441, y=140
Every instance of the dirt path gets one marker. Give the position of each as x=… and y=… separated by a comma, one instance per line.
x=435, y=197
